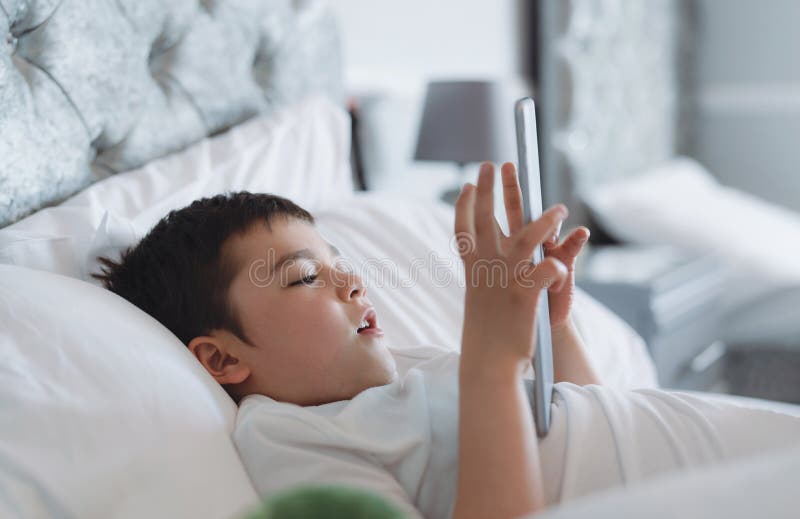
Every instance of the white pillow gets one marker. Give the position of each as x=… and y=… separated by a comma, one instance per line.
x=301, y=152
x=104, y=412
x=679, y=203
x=404, y=250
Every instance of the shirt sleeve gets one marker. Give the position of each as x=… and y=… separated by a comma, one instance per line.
x=281, y=451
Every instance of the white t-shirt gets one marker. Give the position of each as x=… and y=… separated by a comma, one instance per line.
x=401, y=440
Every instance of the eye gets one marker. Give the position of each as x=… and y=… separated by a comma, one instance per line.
x=307, y=280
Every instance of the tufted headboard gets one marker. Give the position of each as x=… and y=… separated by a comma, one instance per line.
x=89, y=88
x=609, y=77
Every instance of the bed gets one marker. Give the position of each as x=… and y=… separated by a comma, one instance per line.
x=111, y=114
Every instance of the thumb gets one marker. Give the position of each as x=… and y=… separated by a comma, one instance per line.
x=568, y=251
x=549, y=274
x=538, y=231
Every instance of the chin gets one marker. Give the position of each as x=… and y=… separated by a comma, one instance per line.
x=386, y=375
x=390, y=368
x=390, y=377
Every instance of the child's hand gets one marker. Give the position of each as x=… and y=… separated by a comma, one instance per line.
x=560, y=301
x=502, y=284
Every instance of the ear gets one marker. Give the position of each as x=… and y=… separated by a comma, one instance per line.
x=217, y=356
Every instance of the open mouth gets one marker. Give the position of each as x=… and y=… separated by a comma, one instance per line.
x=369, y=323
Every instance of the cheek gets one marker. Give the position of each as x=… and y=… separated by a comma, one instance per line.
x=318, y=323
x=314, y=341
x=304, y=328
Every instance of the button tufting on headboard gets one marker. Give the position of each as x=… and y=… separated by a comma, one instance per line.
x=92, y=87
x=12, y=42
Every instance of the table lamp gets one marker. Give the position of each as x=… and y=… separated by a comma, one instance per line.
x=466, y=122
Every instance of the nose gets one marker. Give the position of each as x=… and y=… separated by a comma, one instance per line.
x=349, y=285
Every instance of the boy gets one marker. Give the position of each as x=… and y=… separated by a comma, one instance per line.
x=259, y=298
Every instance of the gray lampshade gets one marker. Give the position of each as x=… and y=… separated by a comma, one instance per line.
x=468, y=121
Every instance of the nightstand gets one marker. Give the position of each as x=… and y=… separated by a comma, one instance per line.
x=672, y=299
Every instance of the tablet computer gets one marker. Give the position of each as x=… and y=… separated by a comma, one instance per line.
x=531, y=186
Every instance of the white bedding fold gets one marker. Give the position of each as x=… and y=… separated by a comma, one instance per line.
x=759, y=486
x=614, y=437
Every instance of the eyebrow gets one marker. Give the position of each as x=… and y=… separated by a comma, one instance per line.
x=305, y=253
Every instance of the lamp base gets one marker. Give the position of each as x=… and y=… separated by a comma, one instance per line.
x=451, y=195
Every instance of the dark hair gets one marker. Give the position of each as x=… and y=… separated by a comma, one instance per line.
x=178, y=273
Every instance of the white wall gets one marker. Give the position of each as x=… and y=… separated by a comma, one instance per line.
x=392, y=47
x=400, y=43
x=748, y=73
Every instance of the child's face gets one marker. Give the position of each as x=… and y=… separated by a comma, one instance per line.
x=303, y=346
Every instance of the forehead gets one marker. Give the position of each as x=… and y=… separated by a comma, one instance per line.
x=282, y=236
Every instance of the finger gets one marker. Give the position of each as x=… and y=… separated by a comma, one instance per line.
x=465, y=225
x=552, y=242
x=574, y=243
x=538, y=231
x=485, y=233
x=512, y=197
x=572, y=246
x=550, y=274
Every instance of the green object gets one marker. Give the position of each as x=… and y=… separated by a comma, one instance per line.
x=326, y=502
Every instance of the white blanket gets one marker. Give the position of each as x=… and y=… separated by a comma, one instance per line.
x=614, y=437
x=760, y=486
x=401, y=440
